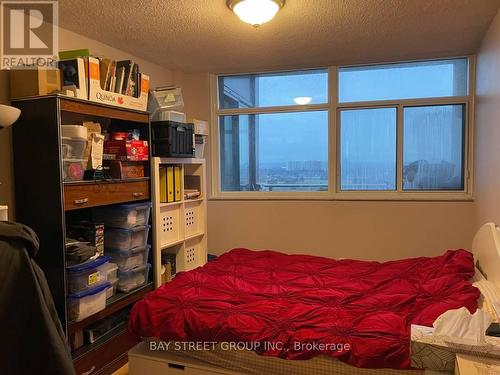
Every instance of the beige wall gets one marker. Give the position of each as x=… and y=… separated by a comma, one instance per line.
x=487, y=166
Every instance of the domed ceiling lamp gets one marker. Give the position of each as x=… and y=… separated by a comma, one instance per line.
x=255, y=12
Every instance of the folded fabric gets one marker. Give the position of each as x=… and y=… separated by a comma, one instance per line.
x=461, y=327
x=78, y=252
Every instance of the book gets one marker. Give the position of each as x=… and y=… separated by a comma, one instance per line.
x=104, y=70
x=127, y=64
x=67, y=55
x=163, y=185
x=177, y=183
x=170, y=184
x=120, y=77
x=110, y=76
x=133, y=82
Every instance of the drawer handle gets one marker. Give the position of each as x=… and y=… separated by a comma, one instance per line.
x=92, y=369
x=176, y=366
x=81, y=201
x=137, y=195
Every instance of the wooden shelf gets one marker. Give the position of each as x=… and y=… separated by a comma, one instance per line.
x=194, y=236
x=113, y=305
x=102, y=110
x=193, y=200
x=170, y=244
x=170, y=204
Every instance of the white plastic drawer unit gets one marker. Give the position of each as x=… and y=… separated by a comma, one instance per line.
x=170, y=224
x=193, y=218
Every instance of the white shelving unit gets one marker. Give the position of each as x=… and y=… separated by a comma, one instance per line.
x=181, y=227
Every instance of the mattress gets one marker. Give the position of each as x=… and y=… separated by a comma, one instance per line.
x=270, y=297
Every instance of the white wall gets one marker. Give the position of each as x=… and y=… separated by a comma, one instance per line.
x=487, y=166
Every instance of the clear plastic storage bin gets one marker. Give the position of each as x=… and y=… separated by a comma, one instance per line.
x=84, y=304
x=111, y=270
x=124, y=215
x=110, y=292
x=87, y=275
x=73, y=148
x=132, y=279
x=125, y=239
x=127, y=259
x=73, y=169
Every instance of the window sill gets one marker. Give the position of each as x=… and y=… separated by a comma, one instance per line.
x=347, y=196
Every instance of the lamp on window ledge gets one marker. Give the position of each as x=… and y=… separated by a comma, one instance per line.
x=8, y=115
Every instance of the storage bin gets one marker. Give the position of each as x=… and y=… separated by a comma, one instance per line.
x=73, y=169
x=111, y=291
x=127, y=259
x=73, y=148
x=111, y=270
x=172, y=138
x=199, y=147
x=125, y=239
x=170, y=225
x=193, y=218
x=87, y=275
x=86, y=303
x=132, y=279
x=123, y=216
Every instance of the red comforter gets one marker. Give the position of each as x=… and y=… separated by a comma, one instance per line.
x=299, y=306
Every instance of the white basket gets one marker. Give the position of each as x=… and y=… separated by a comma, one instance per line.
x=193, y=220
x=193, y=254
x=170, y=225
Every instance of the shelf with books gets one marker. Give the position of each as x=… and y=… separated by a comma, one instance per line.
x=181, y=224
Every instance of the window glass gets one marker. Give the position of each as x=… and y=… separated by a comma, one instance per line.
x=276, y=89
x=413, y=80
x=274, y=152
x=433, y=148
x=368, y=149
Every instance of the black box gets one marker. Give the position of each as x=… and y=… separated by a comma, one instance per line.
x=172, y=138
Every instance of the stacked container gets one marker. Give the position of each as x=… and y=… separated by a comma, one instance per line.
x=87, y=287
x=73, y=144
x=126, y=242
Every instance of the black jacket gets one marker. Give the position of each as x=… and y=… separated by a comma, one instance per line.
x=32, y=338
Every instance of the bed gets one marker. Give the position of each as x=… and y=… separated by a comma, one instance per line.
x=284, y=306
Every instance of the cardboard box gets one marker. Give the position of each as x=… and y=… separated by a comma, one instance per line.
x=128, y=150
x=34, y=82
x=98, y=95
x=126, y=169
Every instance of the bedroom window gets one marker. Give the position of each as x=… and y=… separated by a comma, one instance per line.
x=273, y=132
x=388, y=131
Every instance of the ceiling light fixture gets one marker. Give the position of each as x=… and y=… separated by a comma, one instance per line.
x=302, y=100
x=255, y=12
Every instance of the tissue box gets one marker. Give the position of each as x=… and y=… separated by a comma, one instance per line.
x=468, y=365
x=433, y=353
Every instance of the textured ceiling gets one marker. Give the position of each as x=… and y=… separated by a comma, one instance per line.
x=204, y=35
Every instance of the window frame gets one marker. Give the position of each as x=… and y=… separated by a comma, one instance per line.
x=333, y=107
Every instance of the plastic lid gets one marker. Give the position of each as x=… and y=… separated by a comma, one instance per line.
x=134, y=229
x=90, y=292
x=134, y=270
x=89, y=264
x=130, y=205
x=128, y=252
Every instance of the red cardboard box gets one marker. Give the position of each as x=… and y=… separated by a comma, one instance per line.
x=128, y=150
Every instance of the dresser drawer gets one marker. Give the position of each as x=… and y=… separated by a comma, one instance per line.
x=106, y=358
x=84, y=195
